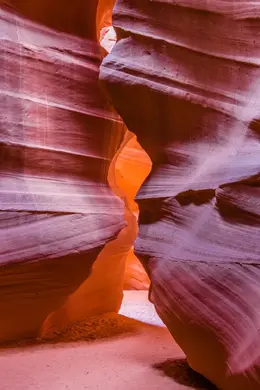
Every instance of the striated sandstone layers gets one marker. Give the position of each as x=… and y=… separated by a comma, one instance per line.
x=184, y=76
x=58, y=140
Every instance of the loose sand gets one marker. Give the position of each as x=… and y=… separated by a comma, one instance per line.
x=130, y=351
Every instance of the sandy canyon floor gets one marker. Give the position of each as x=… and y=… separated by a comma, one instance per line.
x=129, y=351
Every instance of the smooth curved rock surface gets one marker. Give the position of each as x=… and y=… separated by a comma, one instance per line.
x=132, y=164
x=135, y=277
x=59, y=137
x=132, y=167
x=191, y=72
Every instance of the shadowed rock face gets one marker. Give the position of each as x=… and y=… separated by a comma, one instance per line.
x=191, y=72
x=76, y=18
x=58, y=140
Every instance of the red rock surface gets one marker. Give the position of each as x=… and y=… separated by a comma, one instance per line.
x=184, y=76
x=191, y=72
x=58, y=140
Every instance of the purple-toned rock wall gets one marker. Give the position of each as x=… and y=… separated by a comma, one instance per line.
x=184, y=76
x=58, y=139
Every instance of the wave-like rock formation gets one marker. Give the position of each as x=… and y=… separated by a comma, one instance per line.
x=59, y=138
x=132, y=164
x=131, y=168
x=184, y=76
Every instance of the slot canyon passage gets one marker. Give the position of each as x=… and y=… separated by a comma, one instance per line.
x=137, y=142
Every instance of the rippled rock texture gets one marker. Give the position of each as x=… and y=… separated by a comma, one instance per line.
x=191, y=72
x=59, y=138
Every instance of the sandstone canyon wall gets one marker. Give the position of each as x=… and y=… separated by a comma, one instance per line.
x=59, y=137
x=191, y=72
x=184, y=76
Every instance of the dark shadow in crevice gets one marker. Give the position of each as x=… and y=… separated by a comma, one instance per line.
x=255, y=126
x=198, y=197
x=180, y=372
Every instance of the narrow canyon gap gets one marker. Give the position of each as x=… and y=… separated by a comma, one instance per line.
x=184, y=77
x=132, y=164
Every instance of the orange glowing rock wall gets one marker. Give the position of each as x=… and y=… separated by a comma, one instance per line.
x=133, y=164
x=132, y=167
